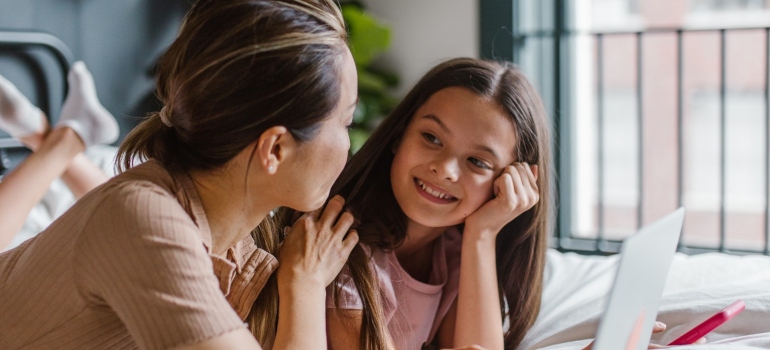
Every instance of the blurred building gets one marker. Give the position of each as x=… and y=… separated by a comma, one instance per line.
x=643, y=73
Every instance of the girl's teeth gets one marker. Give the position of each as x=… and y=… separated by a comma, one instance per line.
x=431, y=191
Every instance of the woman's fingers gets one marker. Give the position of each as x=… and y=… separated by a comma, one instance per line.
x=342, y=225
x=318, y=245
x=332, y=211
x=349, y=243
x=341, y=232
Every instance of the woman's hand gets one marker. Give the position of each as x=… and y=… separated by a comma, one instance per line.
x=316, y=247
x=312, y=254
x=515, y=192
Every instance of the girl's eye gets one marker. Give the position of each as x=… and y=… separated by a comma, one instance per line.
x=430, y=138
x=352, y=125
x=479, y=164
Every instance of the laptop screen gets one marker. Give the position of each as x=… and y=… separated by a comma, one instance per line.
x=642, y=271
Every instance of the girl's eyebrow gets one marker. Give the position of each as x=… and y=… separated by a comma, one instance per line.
x=439, y=122
x=488, y=150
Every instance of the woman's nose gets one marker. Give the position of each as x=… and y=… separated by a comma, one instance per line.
x=446, y=168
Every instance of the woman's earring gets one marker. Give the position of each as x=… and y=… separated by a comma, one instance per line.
x=270, y=169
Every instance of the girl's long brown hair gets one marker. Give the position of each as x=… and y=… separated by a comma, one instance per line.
x=521, y=245
x=238, y=68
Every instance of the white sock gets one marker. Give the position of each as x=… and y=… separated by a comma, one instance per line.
x=83, y=112
x=18, y=116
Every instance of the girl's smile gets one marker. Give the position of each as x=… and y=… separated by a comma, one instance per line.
x=434, y=193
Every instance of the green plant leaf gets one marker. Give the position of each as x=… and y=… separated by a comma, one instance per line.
x=357, y=139
x=371, y=82
x=391, y=79
x=368, y=37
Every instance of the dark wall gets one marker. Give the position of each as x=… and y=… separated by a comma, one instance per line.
x=119, y=40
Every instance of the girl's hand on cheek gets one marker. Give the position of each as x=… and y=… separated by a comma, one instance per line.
x=515, y=192
x=316, y=247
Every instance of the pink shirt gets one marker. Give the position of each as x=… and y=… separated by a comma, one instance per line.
x=413, y=310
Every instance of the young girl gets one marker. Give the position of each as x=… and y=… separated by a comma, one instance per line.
x=451, y=194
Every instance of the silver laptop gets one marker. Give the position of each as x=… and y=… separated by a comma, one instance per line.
x=645, y=259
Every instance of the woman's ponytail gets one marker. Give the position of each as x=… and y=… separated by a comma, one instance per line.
x=149, y=139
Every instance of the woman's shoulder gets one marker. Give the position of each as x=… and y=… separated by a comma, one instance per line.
x=148, y=185
x=143, y=201
x=146, y=176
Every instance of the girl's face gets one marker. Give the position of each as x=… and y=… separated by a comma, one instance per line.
x=455, y=146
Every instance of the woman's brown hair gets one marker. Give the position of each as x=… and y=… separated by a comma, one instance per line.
x=238, y=68
x=522, y=243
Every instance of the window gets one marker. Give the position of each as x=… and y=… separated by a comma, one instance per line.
x=649, y=116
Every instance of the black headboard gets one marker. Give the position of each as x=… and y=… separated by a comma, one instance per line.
x=37, y=63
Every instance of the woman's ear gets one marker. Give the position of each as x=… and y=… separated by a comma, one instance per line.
x=274, y=146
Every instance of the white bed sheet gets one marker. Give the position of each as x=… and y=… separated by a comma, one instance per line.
x=576, y=288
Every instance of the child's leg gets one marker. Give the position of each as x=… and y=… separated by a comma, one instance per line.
x=82, y=112
x=81, y=175
x=57, y=153
x=25, y=186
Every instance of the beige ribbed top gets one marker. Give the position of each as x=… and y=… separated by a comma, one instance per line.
x=128, y=267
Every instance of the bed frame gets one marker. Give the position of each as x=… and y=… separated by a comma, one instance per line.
x=44, y=55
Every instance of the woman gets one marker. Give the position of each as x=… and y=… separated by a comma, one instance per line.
x=257, y=95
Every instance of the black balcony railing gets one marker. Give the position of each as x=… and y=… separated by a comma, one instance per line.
x=565, y=240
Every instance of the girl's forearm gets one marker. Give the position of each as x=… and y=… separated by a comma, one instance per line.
x=478, y=303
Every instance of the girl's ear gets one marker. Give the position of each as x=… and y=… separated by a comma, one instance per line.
x=274, y=147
